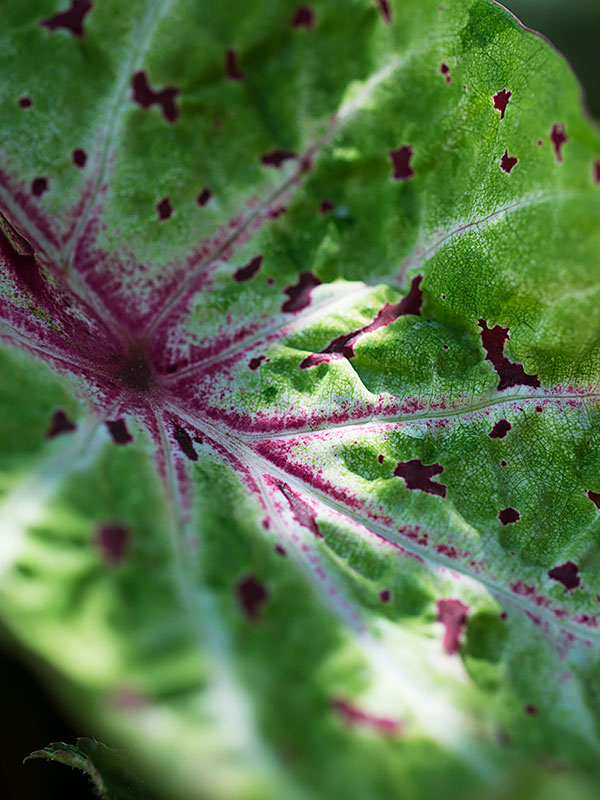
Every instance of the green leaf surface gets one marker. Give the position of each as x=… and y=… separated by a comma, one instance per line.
x=300, y=438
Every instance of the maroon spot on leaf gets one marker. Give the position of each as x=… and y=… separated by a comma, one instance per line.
x=453, y=616
x=255, y=363
x=418, y=476
x=529, y=709
x=146, y=97
x=71, y=19
x=445, y=347
x=39, y=186
x=299, y=295
x=385, y=595
x=508, y=162
x=380, y=458
x=251, y=595
x=164, y=208
x=503, y=616
x=500, y=429
x=79, y=157
x=198, y=439
x=280, y=551
x=445, y=70
x=113, y=542
x=275, y=158
x=25, y=102
x=503, y=463
x=59, y=424
x=249, y=271
x=304, y=17
x=232, y=66
x=127, y=699
x=501, y=99
x=343, y=346
x=509, y=515
x=184, y=441
x=510, y=374
x=400, y=158
x=118, y=430
x=596, y=171
x=300, y=509
x=355, y=716
x=566, y=574
x=594, y=497
x=277, y=211
x=385, y=10
x=204, y=197
x=558, y=137
x=325, y=206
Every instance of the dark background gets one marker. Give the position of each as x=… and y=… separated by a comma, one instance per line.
x=30, y=717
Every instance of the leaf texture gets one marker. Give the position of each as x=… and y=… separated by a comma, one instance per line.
x=300, y=466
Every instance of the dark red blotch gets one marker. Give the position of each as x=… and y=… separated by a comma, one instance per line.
x=164, y=208
x=255, y=363
x=326, y=206
x=60, y=423
x=249, y=271
x=566, y=574
x=356, y=716
x=118, y=430
x=39, y=186
x=146, y=97
x=418, y=476
x=184, y=441
x=558, y=137
x=79, y=157
x=401, y=158
x=113, y=542
x=299, y=295
x=71, y=19
x=453, y=616
x=508, y=162
x=445, y=70
x=275, y=158
x=343, y=345
x=232, y=66
x=500, y=429
x=501, y=99
x=25, y=102
x=304, y=17
x=252, y=595
x=509, y=515
x=385, y=10
x=510, y=374
x=204, y=197
x=384, y=595
x=301, y=510
x=595, y=498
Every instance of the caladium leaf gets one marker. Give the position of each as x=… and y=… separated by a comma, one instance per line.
x=300, y=474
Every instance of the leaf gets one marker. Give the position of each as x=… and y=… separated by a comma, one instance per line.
x=105, y=767
x=300, y=443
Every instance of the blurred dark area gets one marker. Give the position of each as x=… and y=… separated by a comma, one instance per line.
x=30, y=720
x=30, y=717
x=573, y=26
